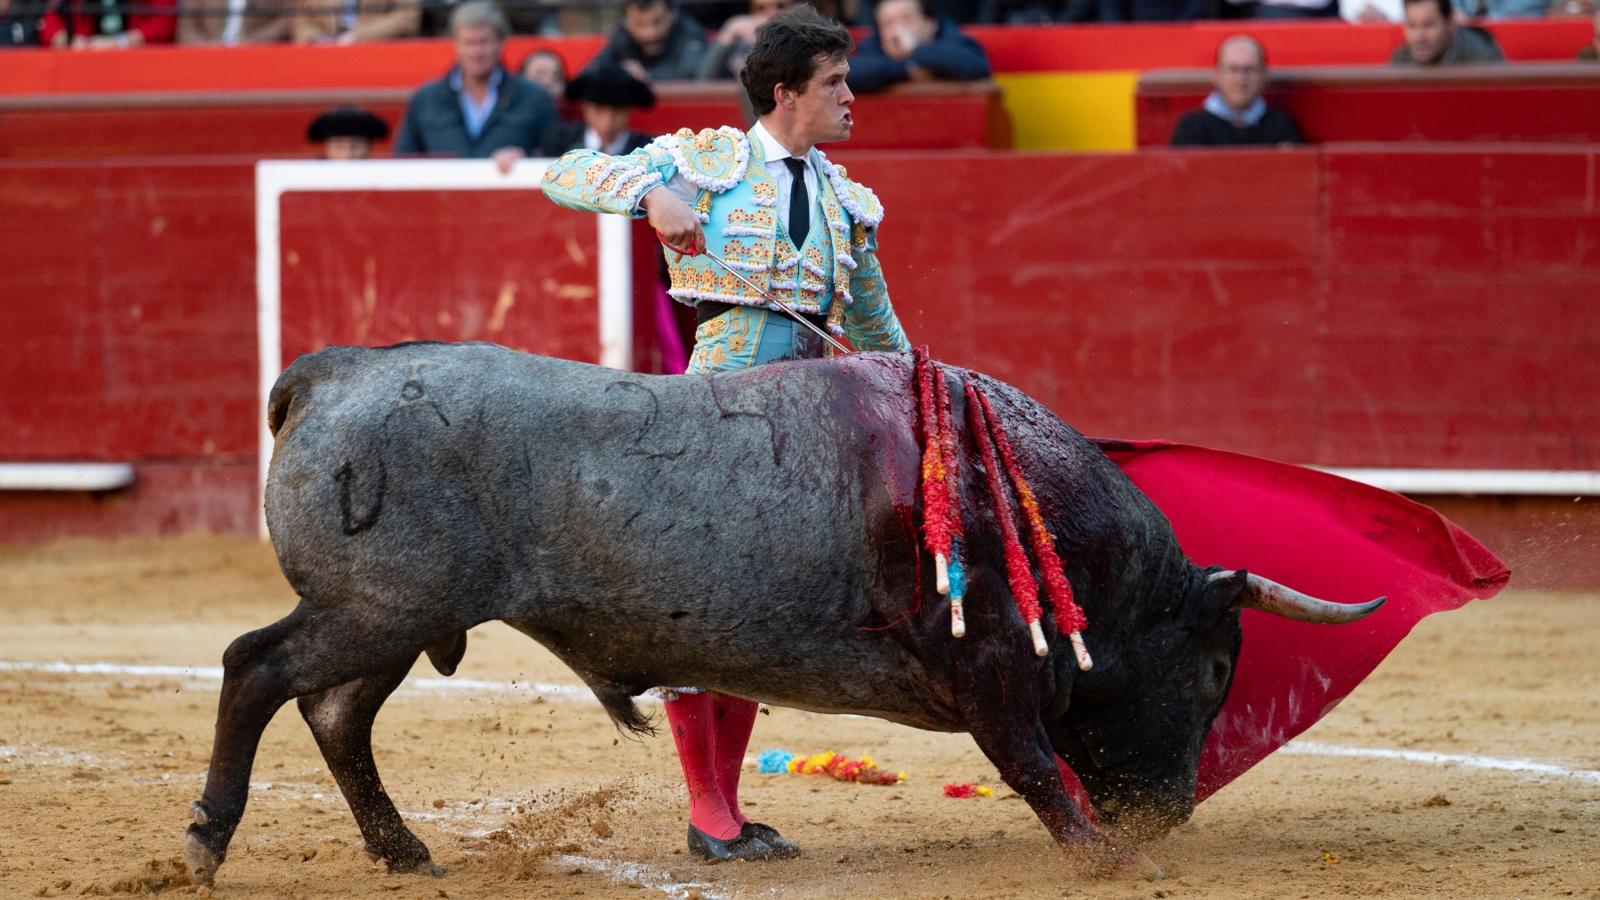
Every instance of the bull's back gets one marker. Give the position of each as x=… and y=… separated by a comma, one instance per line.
x=482, y=475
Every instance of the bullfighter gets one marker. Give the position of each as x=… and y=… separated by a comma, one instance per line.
x=774, y=208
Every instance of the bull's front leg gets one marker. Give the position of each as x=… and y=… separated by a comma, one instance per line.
x=1020, y=750
x=1001, y=707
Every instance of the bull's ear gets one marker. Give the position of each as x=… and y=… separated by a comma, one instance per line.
x=1218, y=593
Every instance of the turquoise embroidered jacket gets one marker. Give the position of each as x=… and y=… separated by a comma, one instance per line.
x=835, y=273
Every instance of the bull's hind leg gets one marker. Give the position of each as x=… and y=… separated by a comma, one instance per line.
x=341, y=720
x=308, y=651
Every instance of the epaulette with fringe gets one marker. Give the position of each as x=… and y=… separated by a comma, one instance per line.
x=713, y=159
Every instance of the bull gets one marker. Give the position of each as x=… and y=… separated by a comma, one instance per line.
x=624, y=520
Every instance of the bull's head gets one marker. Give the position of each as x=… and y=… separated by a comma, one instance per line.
x=1136, y=724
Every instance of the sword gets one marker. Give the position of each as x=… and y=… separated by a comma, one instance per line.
x=771, y=299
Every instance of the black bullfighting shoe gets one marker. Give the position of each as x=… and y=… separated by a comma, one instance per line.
x=782, y=847
x=741, y=846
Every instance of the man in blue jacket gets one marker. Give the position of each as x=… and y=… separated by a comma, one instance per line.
x=478, y=109
x=909, y=43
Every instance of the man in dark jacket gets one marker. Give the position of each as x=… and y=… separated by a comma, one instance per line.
x=1234, y=113
x=1434, y=39
x=479, y=109
x=909, y=44
x=654, y=43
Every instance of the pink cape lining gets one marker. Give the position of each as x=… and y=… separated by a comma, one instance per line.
x=1319, y=534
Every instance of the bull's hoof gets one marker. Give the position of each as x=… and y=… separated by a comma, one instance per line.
x=1146, y=866
x=414, y=860
x=422, y=866
x=743, y=846
x=200, y=859
x=782, y=847
x=1094, y=857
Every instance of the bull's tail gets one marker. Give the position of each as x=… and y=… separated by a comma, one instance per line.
x=625, y=713
x=291, y=384
x=292, y=391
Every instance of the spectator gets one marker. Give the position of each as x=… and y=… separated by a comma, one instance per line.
x=1286, y=9
x=353, y=21
x=908, y=44
x=1153, y=10
x=655, y=43
x=19, y=23
x=1036, y=12
x=546, y=69
x=725, y=58
x=607, y=95
x=1506, y=9
x=87, y=25
x=478, y=108
x=1591, y=51
x=346, y=132
x=1371, y=11
x=228, y=23
x=1434, y=39
x=1234, y=113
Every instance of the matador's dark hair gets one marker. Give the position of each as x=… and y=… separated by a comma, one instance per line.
x=788, y=48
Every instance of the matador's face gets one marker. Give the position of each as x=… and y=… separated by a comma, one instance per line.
x=822, y=112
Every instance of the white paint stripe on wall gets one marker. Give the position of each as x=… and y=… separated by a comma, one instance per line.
x=1489, y=482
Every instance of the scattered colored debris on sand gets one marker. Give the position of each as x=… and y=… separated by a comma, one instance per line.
x=829, y=763
x=966, y=791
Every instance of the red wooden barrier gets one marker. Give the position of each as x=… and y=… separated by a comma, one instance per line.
x=380, y=267
x=1346, y=307
x=1539, y=103
x=1350, y=306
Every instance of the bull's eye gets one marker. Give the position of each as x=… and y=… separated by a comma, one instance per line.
x=1219, y=673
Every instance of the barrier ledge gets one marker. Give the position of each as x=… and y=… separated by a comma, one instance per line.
x=1536, y=102
x=271, y=123
x=60, y=476
x=1476, y=482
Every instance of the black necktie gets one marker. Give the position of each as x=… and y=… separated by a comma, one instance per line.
x=799, y=203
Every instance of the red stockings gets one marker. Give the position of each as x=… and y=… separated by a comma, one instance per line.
x=712, y=732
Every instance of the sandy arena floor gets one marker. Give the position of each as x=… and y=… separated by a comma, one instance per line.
x=522, y=789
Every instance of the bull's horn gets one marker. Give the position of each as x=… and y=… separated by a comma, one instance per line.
x=1272, y=597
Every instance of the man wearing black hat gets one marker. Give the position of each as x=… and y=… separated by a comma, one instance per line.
x=607, y=96
x=346, y=132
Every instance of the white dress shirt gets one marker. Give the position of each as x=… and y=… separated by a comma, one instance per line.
x=591, y=141
x=774, y=155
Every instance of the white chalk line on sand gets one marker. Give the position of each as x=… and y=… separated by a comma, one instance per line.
x=214, y=673
x=1469, y=761
x=641, y=875
x=575, y=692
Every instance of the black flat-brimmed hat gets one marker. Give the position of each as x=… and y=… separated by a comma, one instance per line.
x=347, y=121
x=610, y=85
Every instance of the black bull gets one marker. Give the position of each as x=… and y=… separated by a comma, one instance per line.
x=629, y=523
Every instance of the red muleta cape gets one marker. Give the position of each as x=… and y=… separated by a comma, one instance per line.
x=1319, y=534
